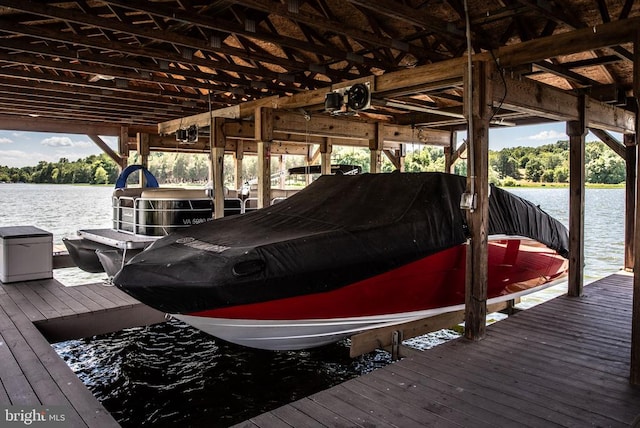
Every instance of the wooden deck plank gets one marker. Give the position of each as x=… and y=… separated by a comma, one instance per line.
x=500, y=404
x=561, y=363
x=13, y=291
x=334, y=399
x=70, y=387
x=265, y=420
x=590, y=359
x=77, y=294
x=396, y=410
x=59, y=290
x=296, y=418
x=69, y=298
x=4, y=396
x=425, y=390
x=116, y=295
x=97, y=297
x=35, y=373
x=321, y=414
x=547, y=397
x=537, y=366
x=60, y=306
x=40, y=304
x=15, y=384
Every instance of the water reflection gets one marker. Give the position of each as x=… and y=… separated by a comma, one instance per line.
x=172, y=374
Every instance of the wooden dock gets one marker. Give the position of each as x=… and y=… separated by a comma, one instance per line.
x=63, y=313
x=35, y=312
x=561, y=363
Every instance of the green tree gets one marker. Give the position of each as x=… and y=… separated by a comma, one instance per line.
x=506, y=165
x=101, y=176
x=561, y=174
x=608, y=169
x=352, y=156
x=534, y=170
x=548, y=176
x=180, y=167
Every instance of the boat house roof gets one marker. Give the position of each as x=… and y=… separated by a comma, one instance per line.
x=99, y=66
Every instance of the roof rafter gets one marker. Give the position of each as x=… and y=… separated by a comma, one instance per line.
x=226, y=27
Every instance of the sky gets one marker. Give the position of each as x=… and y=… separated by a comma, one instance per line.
x=18, y=149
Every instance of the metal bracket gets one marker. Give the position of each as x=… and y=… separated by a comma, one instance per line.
x=396, y=343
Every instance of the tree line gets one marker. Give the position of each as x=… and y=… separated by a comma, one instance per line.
x=94, y=169
x=507, y=167
x=550, y=164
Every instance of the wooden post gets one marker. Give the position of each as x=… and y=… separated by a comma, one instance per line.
x=635, y=319
x=217, y=143
x=282, y=171
x=630, y=201
x=309, y=161
x=576, y=130
x=142, y=147
x=123, y=147
x=326, y=148
x=477, y=266
x=402, y=154
x=375, y=147
x=448, y=152
x=264, y=136
x=237, y=169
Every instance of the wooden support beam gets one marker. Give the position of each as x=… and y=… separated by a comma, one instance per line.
x=458, y=152
x=630, y=200
x=238, y=160
x=217, y=165
x=286, y=122
x=371, y=340
x=375, y=148
x=606, y=116
x=634, y=376
x=264, y=118
x=450, y=71
x=375, y=161
x=326, y=148
x=401, y=155
x=105, y=148
x=60, y=126
x=610, y=141
x=449, y=152
x=576, y=130
x=584, y=39
x=204, y=120
x=529, y=96
x=397, y=157
x=142, y=147
x=123, y=146
x=477, y=266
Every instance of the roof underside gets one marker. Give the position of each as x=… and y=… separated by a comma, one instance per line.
x=138, y=63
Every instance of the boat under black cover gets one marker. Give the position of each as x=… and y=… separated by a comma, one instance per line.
x=375, y=233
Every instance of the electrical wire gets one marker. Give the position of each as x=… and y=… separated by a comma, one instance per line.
x=469, y=94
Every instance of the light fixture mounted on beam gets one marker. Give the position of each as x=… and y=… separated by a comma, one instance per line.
x=348, y=100
x=188, y=135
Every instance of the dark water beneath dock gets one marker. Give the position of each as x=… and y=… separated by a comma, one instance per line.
x=173, y=375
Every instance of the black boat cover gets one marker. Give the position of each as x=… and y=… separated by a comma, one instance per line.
x=339, y=230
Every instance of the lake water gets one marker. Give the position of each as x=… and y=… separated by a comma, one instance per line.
x=171, y=374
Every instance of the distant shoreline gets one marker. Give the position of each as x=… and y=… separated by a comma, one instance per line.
x=534, y=185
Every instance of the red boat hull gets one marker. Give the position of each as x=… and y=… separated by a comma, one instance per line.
x=434, y=283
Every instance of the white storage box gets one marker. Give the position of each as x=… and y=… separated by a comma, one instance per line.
x=26, y=253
